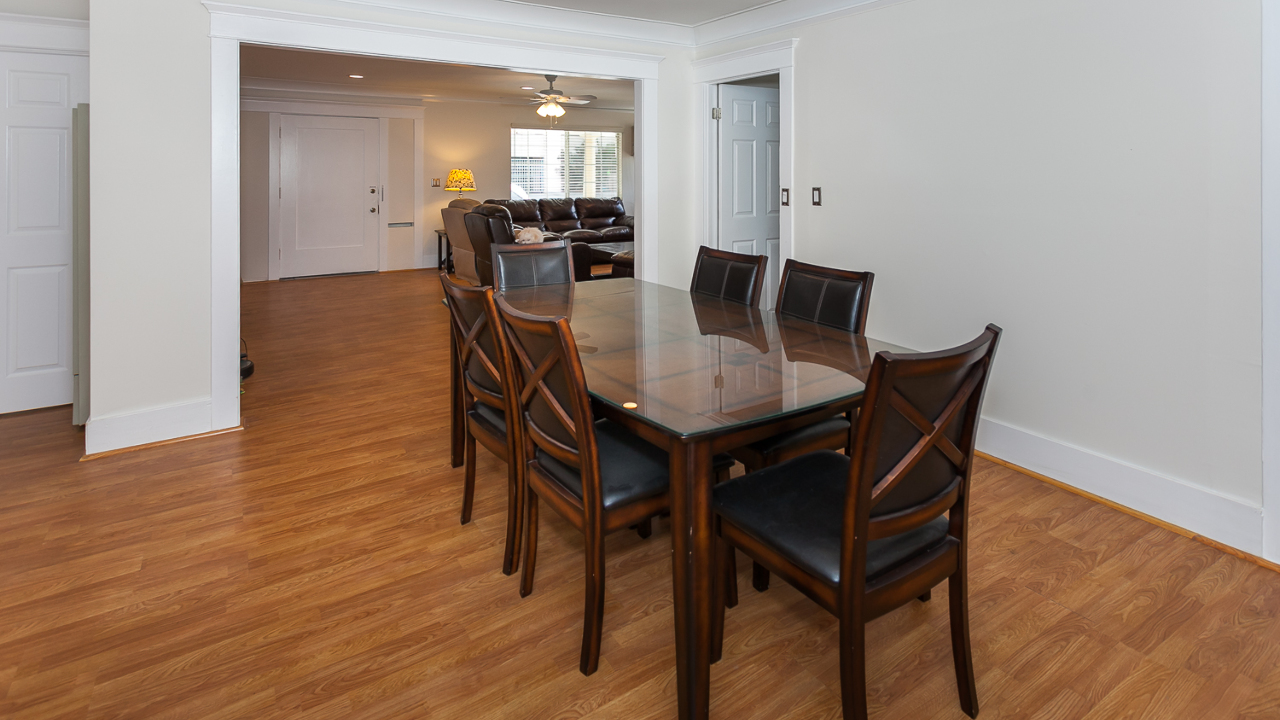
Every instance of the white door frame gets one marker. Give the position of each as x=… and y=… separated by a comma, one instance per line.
x=230, y=25
x=383, y=113
x=1271, y=279
x=777, y=57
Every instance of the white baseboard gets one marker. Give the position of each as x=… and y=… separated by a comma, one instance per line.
x=1230, y=521
x=147, y=426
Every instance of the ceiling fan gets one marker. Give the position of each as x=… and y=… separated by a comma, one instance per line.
x=550, y=102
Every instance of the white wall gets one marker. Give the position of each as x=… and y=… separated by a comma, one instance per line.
x=1084, y=173
x=70, y=9
x=255, y=195
x=399, y=205
x=149, y=65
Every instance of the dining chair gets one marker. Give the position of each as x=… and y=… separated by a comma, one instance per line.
x=728, y=275
x=482, y=351
x=863, y=534
x=595, y=473
x=831, y=297
x=545, y=263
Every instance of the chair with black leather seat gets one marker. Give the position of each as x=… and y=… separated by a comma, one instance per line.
x=488, y=226
x=544, y=263
x=481, y=357
x=831, y=297
x=597, y=474
x=863, y=534
x=728, y=275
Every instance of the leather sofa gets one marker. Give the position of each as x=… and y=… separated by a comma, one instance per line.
x=490, y=224
x=464, y=253
x=589, y=220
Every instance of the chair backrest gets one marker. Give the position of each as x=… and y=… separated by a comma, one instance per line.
x=488, y=226
x=913, y=445
x=838, y=298
x=481, y=350
x=549, y=393
x=729, y=276
x=545, y=263
x=456, y=227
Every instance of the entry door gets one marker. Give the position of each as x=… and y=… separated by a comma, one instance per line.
x=35, y=227
x=749, y=195
x=329, y=195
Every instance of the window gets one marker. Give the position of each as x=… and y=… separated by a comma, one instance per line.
x=564, y=163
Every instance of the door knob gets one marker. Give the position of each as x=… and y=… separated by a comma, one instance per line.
x=373, y=209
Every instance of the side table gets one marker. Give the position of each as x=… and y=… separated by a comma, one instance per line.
x=444, y=251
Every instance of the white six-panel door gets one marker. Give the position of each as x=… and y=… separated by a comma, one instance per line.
x=35, y=227
x=750, y=206
x=329, y=204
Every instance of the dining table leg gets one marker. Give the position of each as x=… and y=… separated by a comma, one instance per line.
x=457, y=424
x=693, y=565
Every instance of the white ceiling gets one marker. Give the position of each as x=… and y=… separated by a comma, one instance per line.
x=317, y=73
x=682, y=12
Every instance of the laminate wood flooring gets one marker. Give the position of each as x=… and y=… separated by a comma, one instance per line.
x=312, y=566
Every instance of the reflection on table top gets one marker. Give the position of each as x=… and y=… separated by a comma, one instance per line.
x=696, y=365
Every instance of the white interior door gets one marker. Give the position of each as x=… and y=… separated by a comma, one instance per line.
x=35, y=227
x=750, y=206
x=329, y=200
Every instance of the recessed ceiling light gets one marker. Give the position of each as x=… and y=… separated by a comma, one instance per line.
x=527, y=87
x=357, y=77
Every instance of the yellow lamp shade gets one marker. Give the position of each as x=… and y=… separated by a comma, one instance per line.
x=460, y=179
x=550, y=109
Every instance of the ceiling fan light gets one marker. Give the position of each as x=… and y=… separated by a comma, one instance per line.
x=550, y=109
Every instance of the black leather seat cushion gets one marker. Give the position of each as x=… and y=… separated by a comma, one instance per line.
x=491, y=416
x=797, y=508
x=630, y=468
x=800, y=436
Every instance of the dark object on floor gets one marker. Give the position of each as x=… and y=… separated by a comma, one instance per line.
x=246, y=365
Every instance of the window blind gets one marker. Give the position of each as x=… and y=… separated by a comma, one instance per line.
x=564, y=163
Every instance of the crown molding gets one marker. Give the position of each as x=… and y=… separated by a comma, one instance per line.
x=57, y=36
x=526, y=16
x=781, y=15
x=308, y=30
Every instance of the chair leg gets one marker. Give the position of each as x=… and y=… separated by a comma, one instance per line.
x=593, y=617
x=721, y=584
x=530, y=543
x=644, y=528
x=927, y=596
x=759, y=577
x=730, y=576
x=961, y=648
x=515, y=518
x=469, y=474
x=853, y=667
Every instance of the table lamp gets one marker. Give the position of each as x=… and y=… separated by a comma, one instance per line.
x=460, y=179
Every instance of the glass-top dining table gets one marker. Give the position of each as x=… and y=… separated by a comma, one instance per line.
x=698, y=376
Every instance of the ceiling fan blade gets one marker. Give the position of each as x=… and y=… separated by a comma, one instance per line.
x=573, y=101
x=583, y=98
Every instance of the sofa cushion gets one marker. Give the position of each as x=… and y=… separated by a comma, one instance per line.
x=616, y=233
x=599, y=208
x=523, y=212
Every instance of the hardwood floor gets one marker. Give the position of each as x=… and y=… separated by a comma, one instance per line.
x=312, y=566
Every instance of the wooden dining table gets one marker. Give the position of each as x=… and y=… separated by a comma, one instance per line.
x=698, y=376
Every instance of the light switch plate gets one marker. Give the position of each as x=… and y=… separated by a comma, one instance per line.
x=817, y=196
x=786, y=197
